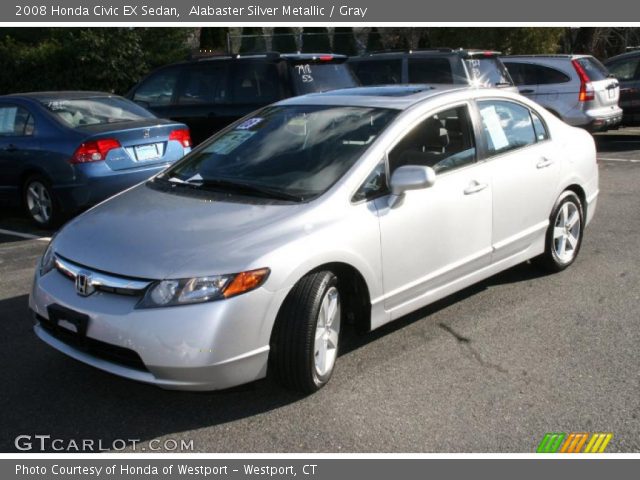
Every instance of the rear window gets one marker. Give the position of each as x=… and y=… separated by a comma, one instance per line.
x=487, y=72
x=593, y=68
x=80, y=112
x=320, y=77
x=377, y=72
x=430, y=70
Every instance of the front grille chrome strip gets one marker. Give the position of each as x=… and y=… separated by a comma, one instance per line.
x=102, y=281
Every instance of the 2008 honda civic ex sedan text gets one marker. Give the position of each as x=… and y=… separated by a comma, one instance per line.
x=359, y=205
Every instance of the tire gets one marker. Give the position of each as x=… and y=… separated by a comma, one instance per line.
x=304, y=345
x=39, y=202
x=564, y=235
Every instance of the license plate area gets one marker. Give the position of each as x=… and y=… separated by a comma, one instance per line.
x=149, y=152
x=67, y=321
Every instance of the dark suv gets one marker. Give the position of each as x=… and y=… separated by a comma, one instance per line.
x=209, y=93
x=626, y=68
x=436, y=66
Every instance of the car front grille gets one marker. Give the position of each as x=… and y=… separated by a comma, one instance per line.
x=102, y=281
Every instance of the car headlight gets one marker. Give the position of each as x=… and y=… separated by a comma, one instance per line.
x=169, y=293
x=48, y=259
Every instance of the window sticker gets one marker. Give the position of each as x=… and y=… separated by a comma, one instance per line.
x=231, y=141
x=492, y=122
x=248, y=124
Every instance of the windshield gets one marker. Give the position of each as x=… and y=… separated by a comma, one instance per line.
x=80, y=112
x=320, y=77
x=284, y=151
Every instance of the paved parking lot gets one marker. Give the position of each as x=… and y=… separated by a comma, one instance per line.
x=491, y=369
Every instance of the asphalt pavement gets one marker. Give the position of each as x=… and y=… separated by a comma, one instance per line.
x=490, y=369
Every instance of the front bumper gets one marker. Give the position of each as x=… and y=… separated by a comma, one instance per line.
x=205, y=346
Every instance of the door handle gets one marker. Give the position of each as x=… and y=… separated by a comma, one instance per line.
x=475, y=187
x=544, y=163
x=527, y=90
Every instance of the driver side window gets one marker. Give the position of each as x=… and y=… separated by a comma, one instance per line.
x=443, y=141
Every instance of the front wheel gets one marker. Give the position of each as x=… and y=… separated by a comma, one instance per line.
x=564, y=235
x=304, y=345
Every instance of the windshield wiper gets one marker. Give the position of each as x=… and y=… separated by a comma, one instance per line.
x=248, y=188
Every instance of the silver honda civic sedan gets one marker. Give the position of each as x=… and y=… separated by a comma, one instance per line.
x=248, y=256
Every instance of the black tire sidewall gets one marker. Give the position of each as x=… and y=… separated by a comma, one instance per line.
x=330, y=280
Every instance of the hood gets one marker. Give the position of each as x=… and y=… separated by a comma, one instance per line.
x=151, y=234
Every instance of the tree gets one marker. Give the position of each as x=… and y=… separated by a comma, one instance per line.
x=252, y=40
x=213, y=38
x=284, y=40
x=107, y=59
x=374, y=40
x=315, y=40
x=344, y=42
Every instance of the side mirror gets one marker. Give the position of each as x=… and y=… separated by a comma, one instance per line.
x=410, y=177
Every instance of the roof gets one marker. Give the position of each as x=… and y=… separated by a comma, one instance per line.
x=398, y=97
x=630, y=54
x=559, y=55
x=273, y=56
x=66, y=95
x=426, y=52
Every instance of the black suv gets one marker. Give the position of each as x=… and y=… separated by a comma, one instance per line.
x=211, y=92
x=626, y=68
x=441, y=65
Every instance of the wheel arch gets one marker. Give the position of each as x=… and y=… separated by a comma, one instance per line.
x=354, y=289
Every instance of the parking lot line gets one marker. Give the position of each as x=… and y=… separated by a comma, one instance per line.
x=24, y=235
x=626, y=160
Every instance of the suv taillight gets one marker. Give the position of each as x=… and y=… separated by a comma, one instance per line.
x=586, y=88
x=94, y=150
x=183, y=136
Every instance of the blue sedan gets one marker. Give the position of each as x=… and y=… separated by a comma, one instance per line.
x=61, y=152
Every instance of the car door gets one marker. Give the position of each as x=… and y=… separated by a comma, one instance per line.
x=556, y=91
x=17, y=147
x=524, y=77
x=524, y=174
x=439, y=234
x=627, y=71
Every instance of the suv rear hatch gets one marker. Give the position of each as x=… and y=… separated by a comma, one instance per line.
x=596, y=84
x=319, y=73
x=487, y=70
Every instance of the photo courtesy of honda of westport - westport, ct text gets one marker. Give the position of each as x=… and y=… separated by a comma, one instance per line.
x=275, y=238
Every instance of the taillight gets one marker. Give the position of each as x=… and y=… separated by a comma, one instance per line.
x=326, y=58
x=586, y=88
x=183, y=136
x=94, y=150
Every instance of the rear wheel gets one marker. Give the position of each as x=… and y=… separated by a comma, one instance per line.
x=39, y=201
x=304, y=346
x=564, y=235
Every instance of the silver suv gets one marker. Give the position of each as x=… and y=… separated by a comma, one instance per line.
x=576, y=88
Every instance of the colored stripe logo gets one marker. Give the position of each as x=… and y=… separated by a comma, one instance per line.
x=574, y=443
